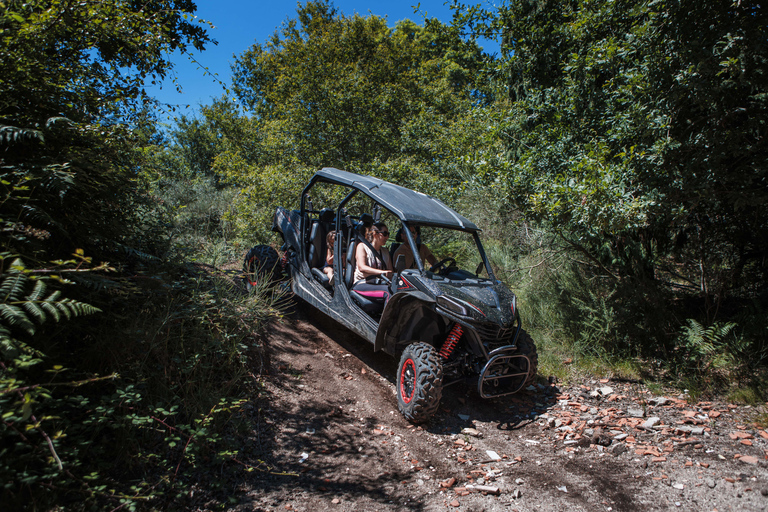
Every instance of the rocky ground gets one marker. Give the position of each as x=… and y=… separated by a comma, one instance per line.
x=330, y=438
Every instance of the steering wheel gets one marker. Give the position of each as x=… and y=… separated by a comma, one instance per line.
x=442, y=263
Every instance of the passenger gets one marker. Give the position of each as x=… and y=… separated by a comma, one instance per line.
x=405, y=249
x=328, y=268
x=372, y=263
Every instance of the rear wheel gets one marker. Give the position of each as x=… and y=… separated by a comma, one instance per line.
x=419, y=382
x=527, y=347
x=261, y=264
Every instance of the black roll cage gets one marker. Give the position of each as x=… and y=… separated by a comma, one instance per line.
x=447, y=218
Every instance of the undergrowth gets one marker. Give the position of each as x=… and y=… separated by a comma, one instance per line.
x=586, y=322
x=134, y=408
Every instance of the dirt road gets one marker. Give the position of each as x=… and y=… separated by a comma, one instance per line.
x=600, y=445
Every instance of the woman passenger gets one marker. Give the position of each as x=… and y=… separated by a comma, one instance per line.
x=373, y=263
x=328, y=268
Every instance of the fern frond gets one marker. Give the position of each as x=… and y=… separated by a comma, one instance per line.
x=51, y=310
x=695, y=332
x=12, y=286
x=13, y=134
x=14, y=316
x=10, y=346
x=19, y=311
x=38, y=291
x=34, y=310
x=34, y=215
x=58, y=179
x=130, y=251
x=72, y=308
x=717, y=332
x=95, y=282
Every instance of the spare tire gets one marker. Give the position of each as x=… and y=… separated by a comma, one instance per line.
x=262, y=264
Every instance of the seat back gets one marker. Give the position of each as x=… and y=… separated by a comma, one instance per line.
x=349, y=271
x=317, y=245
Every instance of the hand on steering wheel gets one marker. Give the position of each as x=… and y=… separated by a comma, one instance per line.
x=442, y=263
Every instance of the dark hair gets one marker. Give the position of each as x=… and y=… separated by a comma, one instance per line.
x=399, y=236
x=380, y=227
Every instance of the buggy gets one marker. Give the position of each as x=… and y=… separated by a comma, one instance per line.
x=450, y=322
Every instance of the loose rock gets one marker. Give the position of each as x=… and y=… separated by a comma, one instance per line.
x=471, y=432
x=651, y=422
x=605, y=390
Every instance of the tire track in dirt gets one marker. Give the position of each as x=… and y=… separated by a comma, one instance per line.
x=330, y=417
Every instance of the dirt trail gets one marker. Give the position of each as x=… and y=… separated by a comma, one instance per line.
x=599, y=446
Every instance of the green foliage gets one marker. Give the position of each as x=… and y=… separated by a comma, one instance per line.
x=718, y=357
x=26, y=304
x=634, y=128
x=30, y=454
x=87, y=60
x=166, y=411
x=632, y=137
x=342, y=91
x=72, y=77
x=90, y=421
x=332, y=90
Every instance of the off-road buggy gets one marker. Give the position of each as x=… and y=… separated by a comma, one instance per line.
x=446, y=323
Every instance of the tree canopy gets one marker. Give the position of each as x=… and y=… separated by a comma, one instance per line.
x=88, y=60
x=349, y=90
x=346, y=91
x=72, y=77
x=637, y=129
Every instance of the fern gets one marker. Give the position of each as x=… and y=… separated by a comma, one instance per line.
x=140, y=255
x=13, y=134
x=25, y=304
x=706, y=341
x=711, y=354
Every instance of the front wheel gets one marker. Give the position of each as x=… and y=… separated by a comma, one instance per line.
x=419, y=382
x=527, y=347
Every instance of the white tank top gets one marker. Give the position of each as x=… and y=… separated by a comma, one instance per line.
x=372, y=261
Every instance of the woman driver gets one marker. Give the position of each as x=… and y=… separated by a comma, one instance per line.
x=405, y=249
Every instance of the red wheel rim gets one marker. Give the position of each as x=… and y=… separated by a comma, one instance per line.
x=252, y=273
x=408, y=380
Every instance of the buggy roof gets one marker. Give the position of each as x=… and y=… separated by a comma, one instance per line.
x=407, y=204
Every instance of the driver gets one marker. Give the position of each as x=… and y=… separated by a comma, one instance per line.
x=405, y=249
x=372, y=263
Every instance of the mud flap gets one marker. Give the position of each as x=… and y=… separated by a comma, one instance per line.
x=505, y=373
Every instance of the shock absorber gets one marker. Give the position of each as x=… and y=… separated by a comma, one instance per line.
x=451, y=341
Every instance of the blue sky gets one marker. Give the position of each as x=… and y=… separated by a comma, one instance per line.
x=240, y=23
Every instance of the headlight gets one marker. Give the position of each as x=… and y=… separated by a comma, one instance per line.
x=451, y=305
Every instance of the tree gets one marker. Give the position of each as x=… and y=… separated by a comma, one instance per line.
x=350, y=92
x=72, y=76
x=71, y=109
x=346, y=91
x=637, y=130
x=88, y=60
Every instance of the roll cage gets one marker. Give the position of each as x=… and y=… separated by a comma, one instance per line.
x=410, y=207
